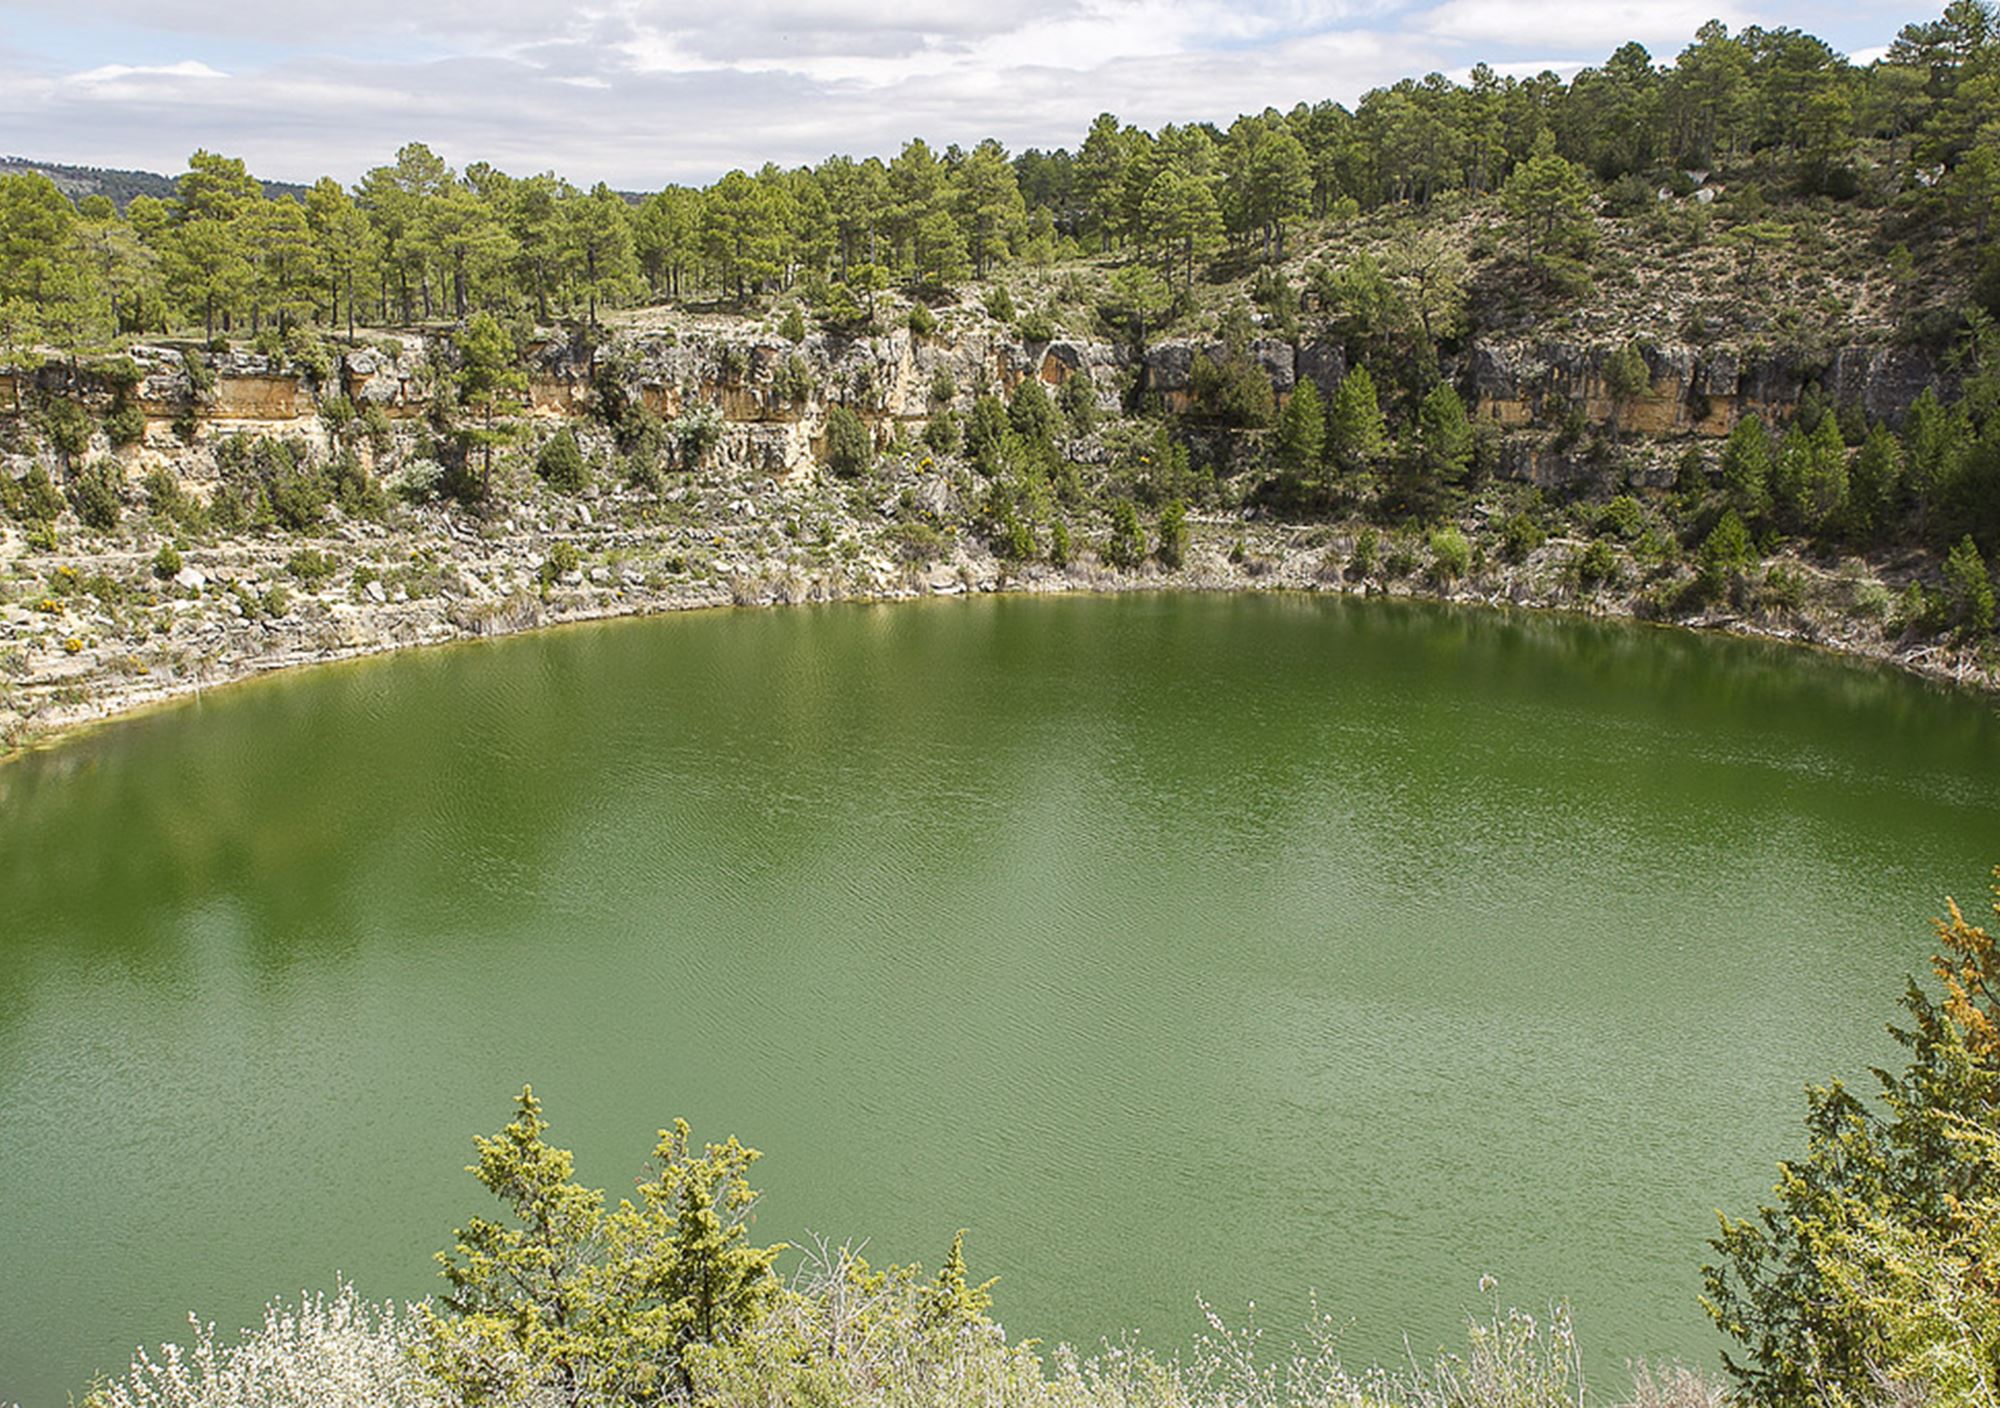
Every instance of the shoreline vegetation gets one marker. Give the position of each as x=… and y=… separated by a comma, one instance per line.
x=1209, y=567
x=1866, y=1282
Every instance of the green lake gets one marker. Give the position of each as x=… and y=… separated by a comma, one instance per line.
x=1240, y=947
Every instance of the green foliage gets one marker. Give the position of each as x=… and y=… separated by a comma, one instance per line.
x=167, y=562
x=1725, y=554
x=1076, y=398
x=1059, y=546
x=1126, y=546
x=167, y=501
x=1547, y=199
x=1434, y=462
x=1520, y=535
x=1595, y=565
x=984, y=431
x=1234, y=391
x=35, y=499
x=1367, y=548
x=561, y=464
x=1451, y=555
x=1030, y=413
x=592, y=1303
x=67, y=426
x=792, y=327
x=1968, y=590
x=125, y=425
x=696, y=432
x=1844, y=1289
x=1623, y=517
x=98, y=494
x=1301, y=439
x=312, y=567
x=1746, y=468
x=922, y=321
x=267, y=481
x=1173, y=535
x=1357, y=438
x=562, y=559
x=941, y=432
x=850, y=449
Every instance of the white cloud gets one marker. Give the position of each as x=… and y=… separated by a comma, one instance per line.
x=121, y=73
x=640, y=92
x=1595, y=27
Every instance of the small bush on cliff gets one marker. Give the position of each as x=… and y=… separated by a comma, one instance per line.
x=98, y=495
x=561, y=464
x=125, y=424
x=849, y=448
x=33, y=497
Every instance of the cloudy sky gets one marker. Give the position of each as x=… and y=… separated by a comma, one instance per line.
x=641, y=92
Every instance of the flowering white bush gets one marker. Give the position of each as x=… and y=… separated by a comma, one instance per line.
x=342, y=1352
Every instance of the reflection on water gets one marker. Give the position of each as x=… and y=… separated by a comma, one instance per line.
x=1226, y=945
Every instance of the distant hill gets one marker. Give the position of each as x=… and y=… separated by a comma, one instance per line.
x=76, y=182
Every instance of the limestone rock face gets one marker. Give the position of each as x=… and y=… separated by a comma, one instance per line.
x=773, y=395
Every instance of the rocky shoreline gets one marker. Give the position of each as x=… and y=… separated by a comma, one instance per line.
x=217, y=635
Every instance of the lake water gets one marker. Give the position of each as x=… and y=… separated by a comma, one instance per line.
x=1174, y=945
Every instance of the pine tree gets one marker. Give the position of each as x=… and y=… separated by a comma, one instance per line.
x=1357, y=438
x=1301, y=440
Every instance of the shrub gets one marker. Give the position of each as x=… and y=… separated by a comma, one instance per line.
x=1029, y=412
x=1000, y=303
x=299, y=495
x=917, y=543
x=1035, y=327
x=941, y=434
x=338, y=1353
x=1865, y=1283
x=793, y=326
x=922, y=321
x=1127, y=543
x=1451, y=555
x=1172, y=549
x=313, y=568
x=167, y=562
x=417, y=481
x=1622, y=517
x=849, y=448
x=1367, y=543
x=1234, y=391
x=696, y=432
x=562, y=560
x=1968, y=590
x=67, y=426
x=1059, y=544
x=98, y=495
x=1076, y=398
x=1596, y=565
x=35, y=498
x=1723, y=556
x=561, y=465
x=1520, y=535
x=125, y=425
